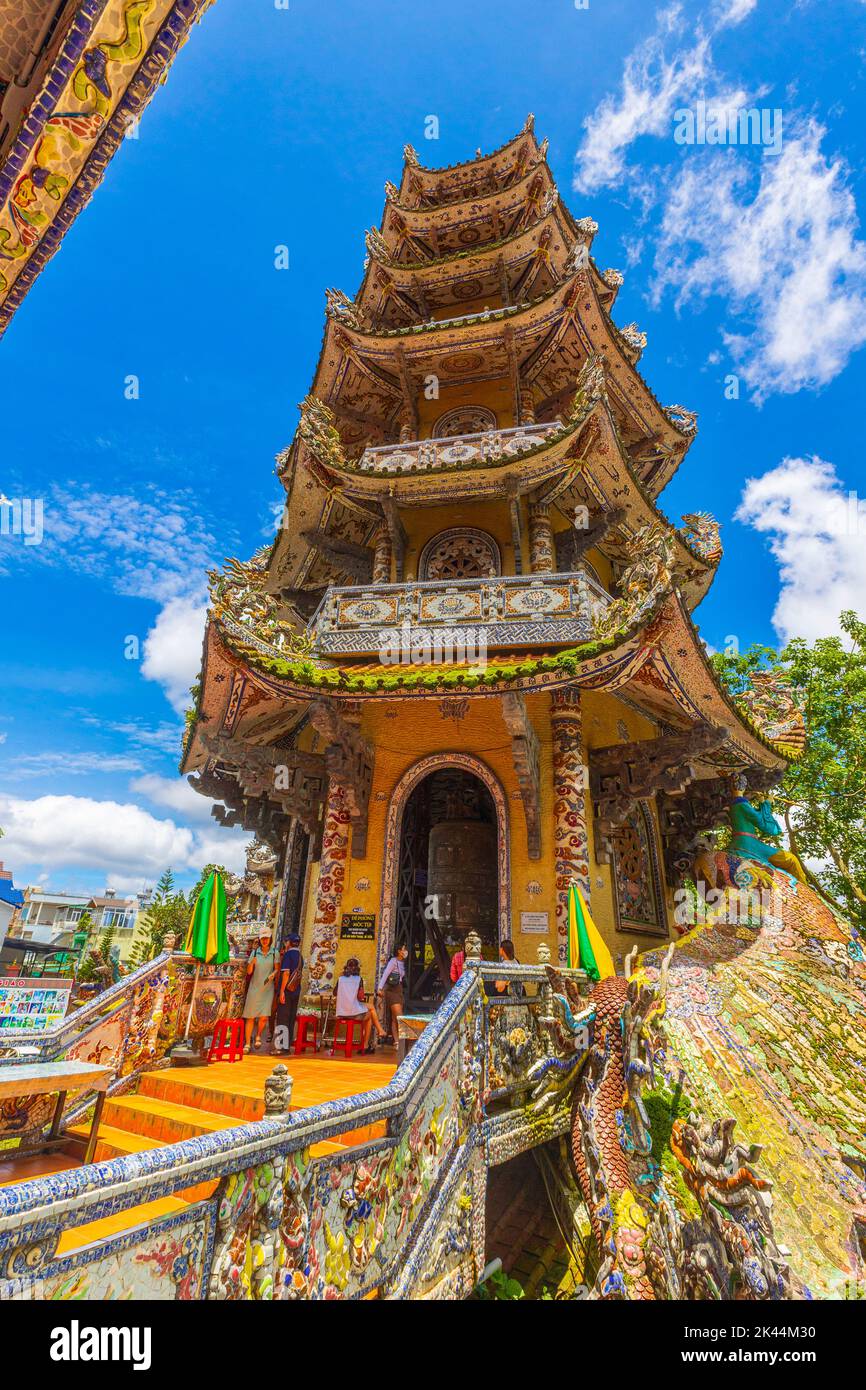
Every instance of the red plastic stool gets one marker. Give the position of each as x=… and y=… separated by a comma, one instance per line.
x=227, y=1043
x=349, y=1025
x=304, y=1043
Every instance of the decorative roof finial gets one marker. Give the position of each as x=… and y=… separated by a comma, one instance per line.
x=340, y=306
x=410, y=154
x=377, y=246
x=636, y=339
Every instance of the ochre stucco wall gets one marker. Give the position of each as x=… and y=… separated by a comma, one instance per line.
x=406, y=730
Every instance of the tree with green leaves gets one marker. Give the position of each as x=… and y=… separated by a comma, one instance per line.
x=202, y=879
x=822, y=799
x=167, y=912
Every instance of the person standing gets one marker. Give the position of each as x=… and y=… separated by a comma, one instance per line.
x=291, y=968
x=390, y=990
x=261, y=974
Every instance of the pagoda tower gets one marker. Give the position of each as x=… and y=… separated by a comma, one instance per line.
x=466, y=672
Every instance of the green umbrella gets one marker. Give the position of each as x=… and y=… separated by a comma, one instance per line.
x=207, y=939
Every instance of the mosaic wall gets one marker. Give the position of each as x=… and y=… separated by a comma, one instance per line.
x=401, y=1216
x=759, y=1024
x=169, y=1263
x=129, y=1028
x=769, y=1023
x=112, y=57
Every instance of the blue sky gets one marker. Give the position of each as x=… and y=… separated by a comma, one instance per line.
x=280, y=127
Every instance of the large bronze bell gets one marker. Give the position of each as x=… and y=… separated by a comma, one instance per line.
x=462, y=877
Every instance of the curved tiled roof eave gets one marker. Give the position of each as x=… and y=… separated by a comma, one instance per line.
x=478, y=161
x=430, y=210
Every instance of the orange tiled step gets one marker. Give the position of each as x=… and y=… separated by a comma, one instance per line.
x=79, y=1236
x=236, y=1089
x=162, y=1121
x=117, y=1143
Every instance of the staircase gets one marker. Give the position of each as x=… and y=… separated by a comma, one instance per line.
x=374, y=1183
x=175, y=1104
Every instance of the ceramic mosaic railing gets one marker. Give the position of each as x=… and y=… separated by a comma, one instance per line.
x=400, y=1215
x=489, y=446
x=129, y=1028
x=456, y=619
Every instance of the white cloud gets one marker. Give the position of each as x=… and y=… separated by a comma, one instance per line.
x=733, y=12
x=176, y=794
x=149, y=546
x=58, y=764
x=117, y=842
x=816, y=531
x=655, y=84
x=785, y=255
x=163, y=737
x=172, y=649
x=775, y=237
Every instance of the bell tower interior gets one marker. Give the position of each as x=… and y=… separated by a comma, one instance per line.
x=448, y=879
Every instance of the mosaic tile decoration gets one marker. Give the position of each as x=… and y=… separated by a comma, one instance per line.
x=769, y=1024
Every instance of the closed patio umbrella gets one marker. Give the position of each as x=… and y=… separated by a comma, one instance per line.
x=206, y=938
x=586, y=948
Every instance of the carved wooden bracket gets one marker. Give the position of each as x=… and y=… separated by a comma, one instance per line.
x=524, y=749
x=683, y=818
x=573, y=544
x=294, y=782
x=624, y=773
x=353, y=559
x=349, y=761
x=256, y=814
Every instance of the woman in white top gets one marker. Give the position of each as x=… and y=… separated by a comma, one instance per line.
x=351, y=1002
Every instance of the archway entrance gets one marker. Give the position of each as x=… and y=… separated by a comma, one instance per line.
x=447, y=875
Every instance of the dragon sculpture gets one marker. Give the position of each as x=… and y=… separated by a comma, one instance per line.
x=746, y=1026
x=647, y=576
x=239, y=598
x=678, y=1208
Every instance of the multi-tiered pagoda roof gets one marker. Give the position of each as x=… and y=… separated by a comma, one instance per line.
x=478, y=282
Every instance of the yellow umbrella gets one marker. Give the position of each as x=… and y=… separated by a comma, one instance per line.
x=586, y=948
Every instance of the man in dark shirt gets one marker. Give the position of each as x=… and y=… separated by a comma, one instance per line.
x=289, y=995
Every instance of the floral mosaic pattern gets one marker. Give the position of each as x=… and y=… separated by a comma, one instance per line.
x=571, y=841
x=169, y=1263
x=363, y=1209
x=329, y=893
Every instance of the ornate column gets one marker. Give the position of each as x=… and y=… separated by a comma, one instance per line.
x=382, y=556
x=329, y=891
x=570, y=810
x=541, y=549
x=528, y=402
